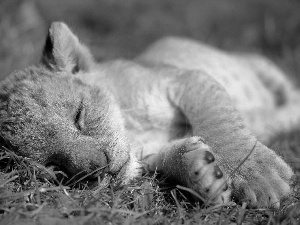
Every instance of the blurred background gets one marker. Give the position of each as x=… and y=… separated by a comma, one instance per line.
x=123, y=28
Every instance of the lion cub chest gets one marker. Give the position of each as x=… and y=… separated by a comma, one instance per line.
x=151, y=121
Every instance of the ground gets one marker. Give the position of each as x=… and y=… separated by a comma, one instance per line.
x=113, y=29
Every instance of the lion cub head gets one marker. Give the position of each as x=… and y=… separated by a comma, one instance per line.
x=49, y=115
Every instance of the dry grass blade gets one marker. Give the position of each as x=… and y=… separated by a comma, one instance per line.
x=84, y=177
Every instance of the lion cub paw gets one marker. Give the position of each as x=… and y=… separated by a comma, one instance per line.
x=263, y=180
x=203, y=174
x=197, y=169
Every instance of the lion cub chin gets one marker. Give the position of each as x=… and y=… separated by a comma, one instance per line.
x=181, y=107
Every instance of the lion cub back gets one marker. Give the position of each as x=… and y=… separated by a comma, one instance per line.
x=258, y=88
x=252, y=81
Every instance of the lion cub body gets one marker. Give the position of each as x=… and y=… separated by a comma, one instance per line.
x=257, y=87
x=260, y=91
x=183, y=108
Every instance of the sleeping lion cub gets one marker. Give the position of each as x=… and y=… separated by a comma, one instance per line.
x=186, y=110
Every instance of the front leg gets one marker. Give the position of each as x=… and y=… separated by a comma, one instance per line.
x=189, y=162
x=264, y=177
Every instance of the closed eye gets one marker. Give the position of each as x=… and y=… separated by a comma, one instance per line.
x=79, y=117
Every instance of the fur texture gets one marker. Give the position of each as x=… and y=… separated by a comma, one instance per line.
x=187, y=110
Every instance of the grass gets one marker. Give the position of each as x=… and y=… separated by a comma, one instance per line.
x=30, y=194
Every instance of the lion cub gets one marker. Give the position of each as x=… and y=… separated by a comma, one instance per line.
x=185, y=109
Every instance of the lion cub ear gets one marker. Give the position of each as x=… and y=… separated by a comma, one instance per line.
x=64, y=52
